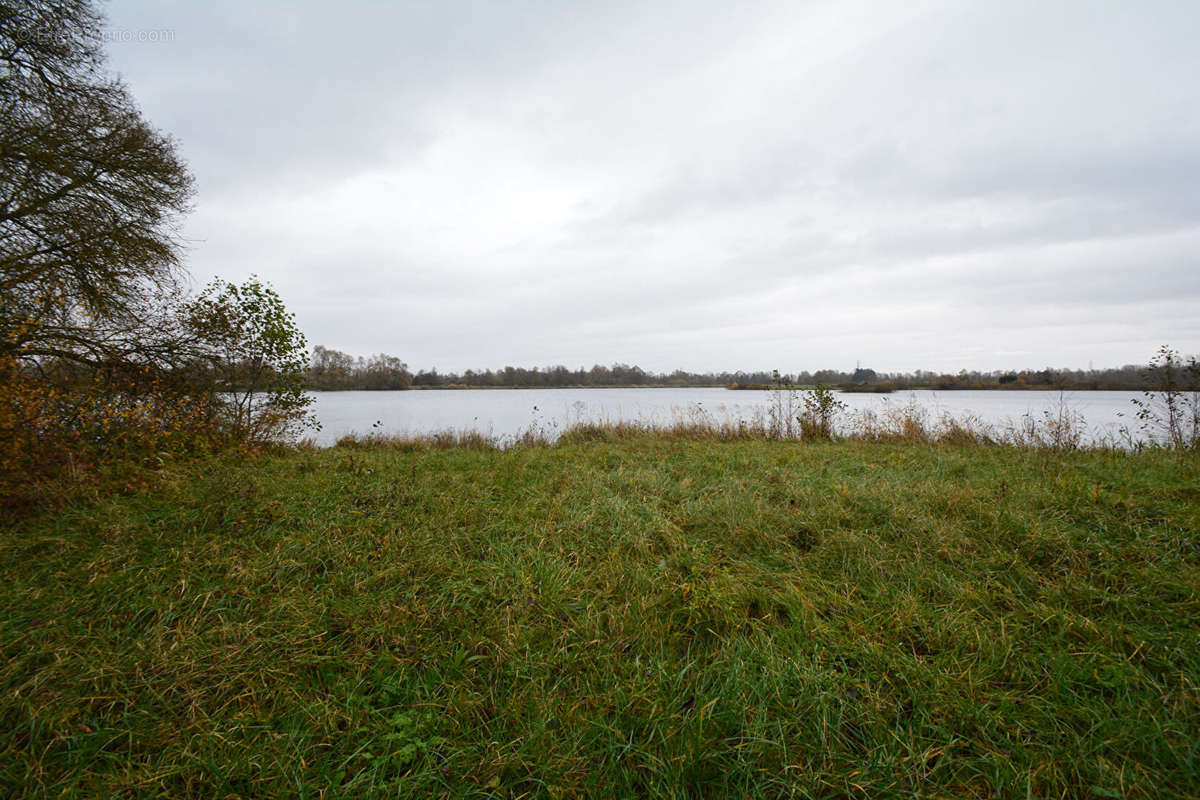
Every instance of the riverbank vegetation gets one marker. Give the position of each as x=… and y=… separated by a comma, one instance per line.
x=623, y=613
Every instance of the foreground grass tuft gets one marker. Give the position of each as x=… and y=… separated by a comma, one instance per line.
x=616, y=615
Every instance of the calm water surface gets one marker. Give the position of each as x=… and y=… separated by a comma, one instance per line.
x=504, y=413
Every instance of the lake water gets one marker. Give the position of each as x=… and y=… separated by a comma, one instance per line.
x=505, y=413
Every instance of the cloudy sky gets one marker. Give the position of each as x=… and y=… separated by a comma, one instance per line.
x=705, y=185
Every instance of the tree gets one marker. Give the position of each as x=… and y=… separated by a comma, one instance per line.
x=90, y=196
x=863, y=375
x=387, y=372
x=1170, y=410
x=102, y=357
x=331, y=369
x=257, y=356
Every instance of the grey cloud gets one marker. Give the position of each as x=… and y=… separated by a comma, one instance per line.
x=699, y=185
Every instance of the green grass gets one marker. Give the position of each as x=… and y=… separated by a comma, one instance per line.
x=650, y=615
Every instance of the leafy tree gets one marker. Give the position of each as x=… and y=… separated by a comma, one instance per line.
x=90, y=195
x=102, y=357
x=386, y=372
x=331, y=369
x=257, y=356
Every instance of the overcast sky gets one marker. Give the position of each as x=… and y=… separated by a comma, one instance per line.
x=937, y=185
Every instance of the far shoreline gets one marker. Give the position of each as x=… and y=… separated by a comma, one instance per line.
x=754, y=388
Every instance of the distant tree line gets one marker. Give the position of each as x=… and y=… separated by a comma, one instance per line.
x=1128, y=377
x=597, y=376
x=334, y=370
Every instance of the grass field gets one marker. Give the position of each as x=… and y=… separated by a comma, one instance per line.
x=646, y=616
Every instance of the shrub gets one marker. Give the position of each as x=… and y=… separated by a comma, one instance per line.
x=821, y=408
x=1170, y=412
x=55, y=424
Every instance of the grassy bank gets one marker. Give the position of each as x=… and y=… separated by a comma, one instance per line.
x=648, y=615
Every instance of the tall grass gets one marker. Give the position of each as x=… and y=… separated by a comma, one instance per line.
x=790, y=416
x=698, y=611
